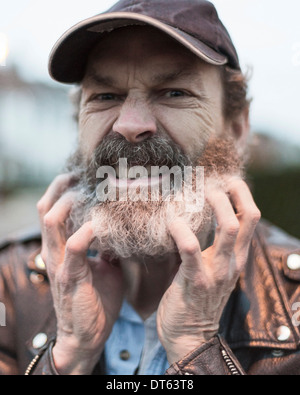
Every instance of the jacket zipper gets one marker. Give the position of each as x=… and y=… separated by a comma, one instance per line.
x=233, y=370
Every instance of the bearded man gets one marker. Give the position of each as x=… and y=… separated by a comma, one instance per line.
x=169, y=283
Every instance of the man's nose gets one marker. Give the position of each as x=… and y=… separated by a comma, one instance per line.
x=136, y=121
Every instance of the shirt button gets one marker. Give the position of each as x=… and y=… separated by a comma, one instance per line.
x=125, y=355
x=39, y=341
x=283, y=333
x=293, y=262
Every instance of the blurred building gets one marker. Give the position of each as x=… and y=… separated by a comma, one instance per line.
x=37, y=132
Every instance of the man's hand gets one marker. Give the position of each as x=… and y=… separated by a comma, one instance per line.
x=190, y=311
x=87, y=293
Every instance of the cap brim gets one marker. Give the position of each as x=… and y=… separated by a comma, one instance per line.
x=69, y=56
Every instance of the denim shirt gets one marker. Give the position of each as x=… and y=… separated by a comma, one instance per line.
x=134, y=347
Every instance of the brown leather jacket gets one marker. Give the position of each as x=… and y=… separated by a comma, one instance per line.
x=258, y=332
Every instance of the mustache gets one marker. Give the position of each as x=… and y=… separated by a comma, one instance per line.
x=219, y=156
x=155, y=151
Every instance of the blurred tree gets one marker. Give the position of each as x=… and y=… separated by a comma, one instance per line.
x=274, y=177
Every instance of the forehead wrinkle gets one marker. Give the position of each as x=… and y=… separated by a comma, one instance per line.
x=182, y=73
x=125, y=71
x=102, y=80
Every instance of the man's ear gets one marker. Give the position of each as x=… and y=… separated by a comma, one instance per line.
x=240, y=129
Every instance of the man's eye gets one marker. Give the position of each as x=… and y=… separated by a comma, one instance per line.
x=105, y=97
x=175, y=93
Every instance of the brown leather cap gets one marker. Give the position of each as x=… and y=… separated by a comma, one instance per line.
x=193, y=23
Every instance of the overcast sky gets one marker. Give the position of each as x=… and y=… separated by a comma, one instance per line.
x=266, y=34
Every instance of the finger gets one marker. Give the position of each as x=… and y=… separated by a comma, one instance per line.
x=54, y=192
x=228, y=224
x=54, y=221
x=247, y=213
x=54, y=230
x=188, y=245
x=75, y=265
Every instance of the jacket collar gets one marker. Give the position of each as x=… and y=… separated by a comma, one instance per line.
x=258, y=313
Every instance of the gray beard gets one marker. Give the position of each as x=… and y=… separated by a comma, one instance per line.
x=126, y=229
x=138, y=228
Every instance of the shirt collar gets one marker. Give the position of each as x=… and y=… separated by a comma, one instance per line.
x=128, y=313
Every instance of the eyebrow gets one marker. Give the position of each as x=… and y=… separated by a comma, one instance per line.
x=164, y=78
x=102, y=80
x=158, y=79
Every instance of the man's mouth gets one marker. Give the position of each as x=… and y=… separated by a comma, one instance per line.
x=136, y=172
x=136, y=176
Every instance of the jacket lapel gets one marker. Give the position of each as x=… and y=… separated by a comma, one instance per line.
x=258, y=308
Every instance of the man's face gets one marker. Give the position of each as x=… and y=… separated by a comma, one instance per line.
x=139, y=81
x=146, y=98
